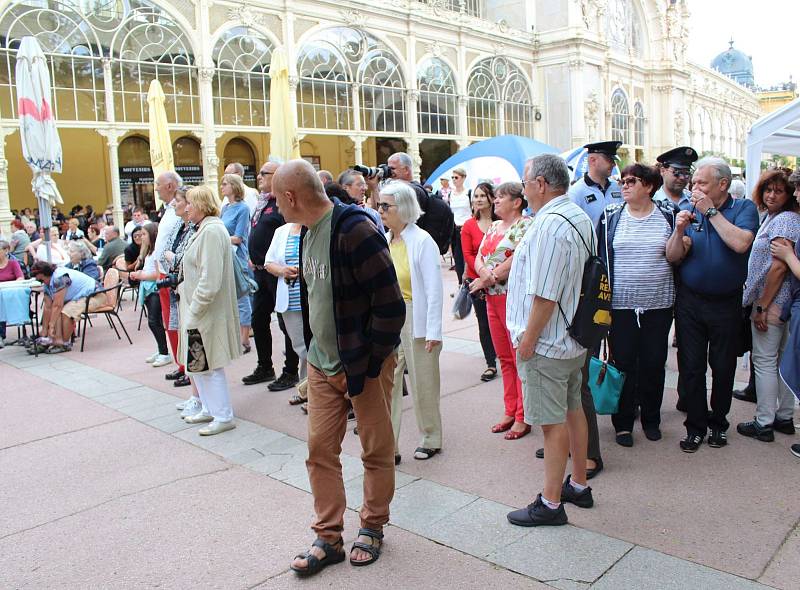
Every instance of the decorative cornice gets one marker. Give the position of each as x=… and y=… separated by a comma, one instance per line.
x=354, y=18
x=247, y=16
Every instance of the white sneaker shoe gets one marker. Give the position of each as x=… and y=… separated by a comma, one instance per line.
x=199, y=418
x=216, y=428
x=162, y=360
x=152, y=358
x=191, y=407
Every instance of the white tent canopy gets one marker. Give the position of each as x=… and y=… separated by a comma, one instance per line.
x=776, y=133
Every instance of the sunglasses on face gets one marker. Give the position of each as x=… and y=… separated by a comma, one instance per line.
x=681, y=173
x=385, y=206
x=630, y=181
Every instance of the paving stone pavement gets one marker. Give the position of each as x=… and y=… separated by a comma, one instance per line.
x=568, y=557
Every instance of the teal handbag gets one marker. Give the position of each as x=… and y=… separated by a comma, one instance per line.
x=605, y=382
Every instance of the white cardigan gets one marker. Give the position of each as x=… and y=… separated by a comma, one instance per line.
x=426, y=281
x=277, y=255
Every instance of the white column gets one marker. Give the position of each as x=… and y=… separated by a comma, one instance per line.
x=412, y=98
x=577, y=103
x=112, y=143
x=463, y=123
x=356, y=101
x=209, y=141
x=5, y=202
x=358, y=148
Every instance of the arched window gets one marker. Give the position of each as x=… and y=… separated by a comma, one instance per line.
x=437, y=108
x=149, y=45
x=186, y=152
x=625, y=27
x=638, y=124
x=74, y=55
x=330, y=63
x=491, y=81
x=240, y=150
x=619, y=117
x=241, y=97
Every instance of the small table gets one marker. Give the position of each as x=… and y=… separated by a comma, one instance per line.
x=19, y=304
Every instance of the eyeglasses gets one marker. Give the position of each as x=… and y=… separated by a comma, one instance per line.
x=454, y=177
x=264, y=173
x=630, y=181
x=385, y=206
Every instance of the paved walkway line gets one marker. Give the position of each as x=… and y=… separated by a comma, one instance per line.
x=568, y=558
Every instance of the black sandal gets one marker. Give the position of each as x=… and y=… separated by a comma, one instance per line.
x=489, y=374
x=423, y=454
x=314, y=563
x=297, y=399
x=373, y=549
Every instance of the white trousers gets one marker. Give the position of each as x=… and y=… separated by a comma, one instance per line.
x=774, y=398
x=213, y=390
x=293, y=320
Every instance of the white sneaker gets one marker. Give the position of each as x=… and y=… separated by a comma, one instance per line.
x=216, y=428
x=199, y=418
x=152, y=358
x=181, y=405
x=162, y=360
x=191, y=407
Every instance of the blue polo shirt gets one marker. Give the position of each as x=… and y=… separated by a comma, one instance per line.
x=592, y=198
x=711, y=268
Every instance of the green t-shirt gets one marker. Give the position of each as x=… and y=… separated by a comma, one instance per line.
x=323, y=352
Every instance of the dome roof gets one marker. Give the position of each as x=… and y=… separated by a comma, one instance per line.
x=735, y=64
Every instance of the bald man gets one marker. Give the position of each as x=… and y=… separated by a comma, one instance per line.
x=352, y=314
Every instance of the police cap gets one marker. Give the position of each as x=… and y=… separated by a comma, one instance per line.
x=680, y=157
x=607, y=148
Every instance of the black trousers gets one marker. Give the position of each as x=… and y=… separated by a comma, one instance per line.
x=479, y=305
x=263, y=306
x=640, y=351
x=153, y=305
x=458, y=254
x=708, y=334
x=587, y=402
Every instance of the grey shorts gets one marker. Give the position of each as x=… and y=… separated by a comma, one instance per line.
x=550, y=387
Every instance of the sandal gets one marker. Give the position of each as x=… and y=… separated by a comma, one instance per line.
x=57, y=349
x=297, y=399
x=489, y=374
x=373, y=549
x=517, y=434
x=423, y=454
x=246, y=348
x=304, y=407
x=502, y=426
x=314, y=563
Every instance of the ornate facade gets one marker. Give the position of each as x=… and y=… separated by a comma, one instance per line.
x=427, y=76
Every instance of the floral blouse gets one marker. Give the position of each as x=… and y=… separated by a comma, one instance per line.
x=497, y=246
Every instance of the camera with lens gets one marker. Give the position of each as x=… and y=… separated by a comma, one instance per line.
x=381, y=171
x=170, y=281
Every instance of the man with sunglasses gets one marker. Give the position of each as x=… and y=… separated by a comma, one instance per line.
x=265, y=220
x=596, y=190
x=676, y=170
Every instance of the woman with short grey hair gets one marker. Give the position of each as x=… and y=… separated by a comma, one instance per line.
x=416, y=261
x=80, y=258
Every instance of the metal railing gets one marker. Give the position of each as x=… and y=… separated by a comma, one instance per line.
x=470, y=7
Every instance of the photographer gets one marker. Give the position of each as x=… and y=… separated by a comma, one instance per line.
x=437, y=218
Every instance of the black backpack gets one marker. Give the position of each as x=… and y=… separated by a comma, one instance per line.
x=437, y=219
x=593, y=316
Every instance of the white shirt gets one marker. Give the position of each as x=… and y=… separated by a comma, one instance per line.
x=461, y=207
x=548, y=263
x=426, y=282
x=168, y=222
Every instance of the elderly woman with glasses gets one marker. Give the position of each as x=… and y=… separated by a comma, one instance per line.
x=80, y=258
x=209, y=333
x=632, y=240
x=416, y=261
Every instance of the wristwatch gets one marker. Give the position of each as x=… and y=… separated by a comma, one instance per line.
x=759, y=309
x=711, y=212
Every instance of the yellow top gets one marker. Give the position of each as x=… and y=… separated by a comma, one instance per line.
x=401, y=267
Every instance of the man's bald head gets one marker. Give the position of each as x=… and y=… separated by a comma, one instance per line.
x=299, y=190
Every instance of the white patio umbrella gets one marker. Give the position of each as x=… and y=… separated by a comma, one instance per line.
x=41, y=146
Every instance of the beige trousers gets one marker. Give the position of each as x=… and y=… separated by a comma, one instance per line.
x=423, y=373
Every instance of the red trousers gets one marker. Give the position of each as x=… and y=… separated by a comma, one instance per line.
x=172, y=335
x=512, y=386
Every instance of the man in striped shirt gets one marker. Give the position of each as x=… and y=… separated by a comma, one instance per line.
x=543, y=291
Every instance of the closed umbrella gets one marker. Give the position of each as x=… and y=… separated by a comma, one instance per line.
x=160, y=144
x=283, y=142
x=41, y=146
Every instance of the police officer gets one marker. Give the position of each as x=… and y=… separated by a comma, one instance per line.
x=595, y=191
x=676, y=165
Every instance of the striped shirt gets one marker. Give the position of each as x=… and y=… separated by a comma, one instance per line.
x=292, y=258
x=548, y=263
x=642, y=276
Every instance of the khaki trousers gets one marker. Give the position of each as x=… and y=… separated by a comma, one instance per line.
x=423, y=372
x=327, y=425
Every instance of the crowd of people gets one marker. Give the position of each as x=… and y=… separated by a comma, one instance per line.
x=352, y=266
